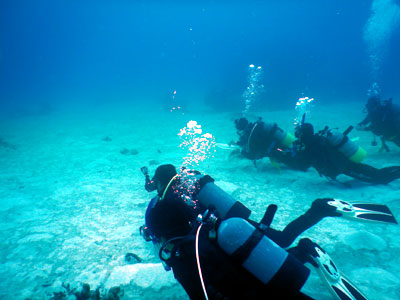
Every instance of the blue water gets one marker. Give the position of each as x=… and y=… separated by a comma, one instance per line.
x=55, y=51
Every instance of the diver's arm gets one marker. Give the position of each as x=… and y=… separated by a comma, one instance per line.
x=149, y=185
x=363, y=124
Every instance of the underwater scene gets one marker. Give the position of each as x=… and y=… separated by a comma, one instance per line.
x=199, y=149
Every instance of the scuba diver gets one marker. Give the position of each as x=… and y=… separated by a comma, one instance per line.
x=216, y=252
x=259, y=139
x=383, y=120
x=332, y=153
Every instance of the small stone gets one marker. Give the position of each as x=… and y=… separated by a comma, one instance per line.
x=124, y=151
x=132, y=258
x=154, y=162
x=134, y=152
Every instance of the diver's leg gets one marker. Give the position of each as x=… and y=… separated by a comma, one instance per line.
x=364, y=173
x=370, y=174
x=389, y=174
x=319, y=210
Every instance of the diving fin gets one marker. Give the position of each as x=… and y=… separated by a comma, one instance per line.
x=365, y=212
x=227, y=146
x=339, y=285
x=275, y=164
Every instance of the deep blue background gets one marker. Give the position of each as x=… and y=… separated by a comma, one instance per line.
x=102, y=51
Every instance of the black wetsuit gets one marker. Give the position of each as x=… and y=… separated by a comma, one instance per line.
x=330, y=162
x=172, y=218
x=257, y=142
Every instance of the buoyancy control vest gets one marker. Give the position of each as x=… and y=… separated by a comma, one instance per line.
x=344, y=145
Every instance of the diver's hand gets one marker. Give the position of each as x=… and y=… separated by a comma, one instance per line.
x=145, y=171
x=360, y=127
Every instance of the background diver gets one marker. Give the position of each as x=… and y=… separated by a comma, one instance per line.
x=383, y=120
x=259, y=139
x=332, y=153
x=217, y=252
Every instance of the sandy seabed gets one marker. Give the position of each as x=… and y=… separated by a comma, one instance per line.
x=72, y=200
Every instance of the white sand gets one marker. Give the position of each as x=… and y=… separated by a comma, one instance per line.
x=71, y=204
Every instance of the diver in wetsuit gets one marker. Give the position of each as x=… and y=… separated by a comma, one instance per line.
x=259, y=139
x=226, y=244
x=383, y=120
x=328, y=160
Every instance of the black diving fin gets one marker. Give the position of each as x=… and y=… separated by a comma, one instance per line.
x=365, y=212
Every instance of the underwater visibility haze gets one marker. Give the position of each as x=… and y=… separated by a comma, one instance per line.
x=68, y=51
x=91, y=91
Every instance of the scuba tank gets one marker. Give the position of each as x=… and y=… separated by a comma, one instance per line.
x=281, y=137
x=210, y=195
x=347, y=147
x=271, y=131
x=265, y=137
x=259, y=255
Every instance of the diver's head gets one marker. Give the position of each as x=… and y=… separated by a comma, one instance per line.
x=304, y=132
x=241, y=124
x=373, y=102
x=163, y=176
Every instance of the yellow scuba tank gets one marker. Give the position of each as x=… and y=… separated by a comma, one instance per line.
x=346, y=146
x=281, y=137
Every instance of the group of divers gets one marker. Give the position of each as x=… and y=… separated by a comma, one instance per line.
x=214, y=248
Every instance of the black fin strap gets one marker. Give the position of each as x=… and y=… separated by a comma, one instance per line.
x=243, y=252
x=238, y=210
x=348, y=130
x=269, y=215
x=303, y=119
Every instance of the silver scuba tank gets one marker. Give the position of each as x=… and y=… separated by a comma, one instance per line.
x=223, y=203
x=259, y=255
